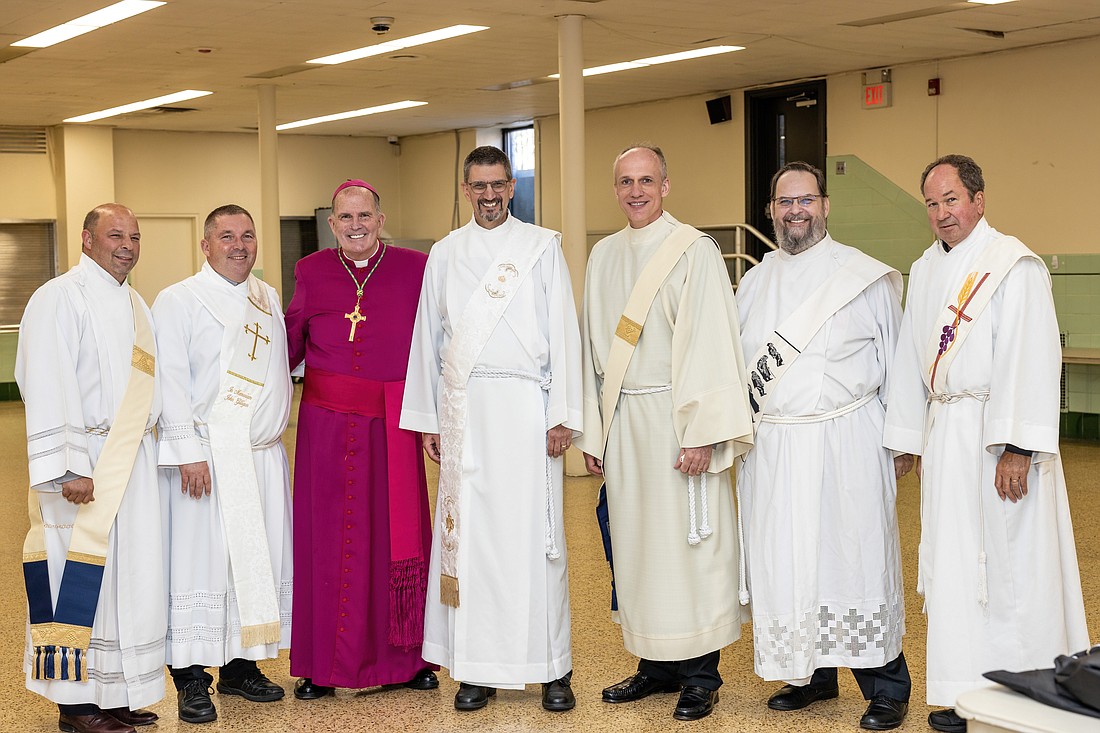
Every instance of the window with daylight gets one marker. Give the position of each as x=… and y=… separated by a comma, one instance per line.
x=519, y=145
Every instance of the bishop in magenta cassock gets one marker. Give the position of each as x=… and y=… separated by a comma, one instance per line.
x=361, y=524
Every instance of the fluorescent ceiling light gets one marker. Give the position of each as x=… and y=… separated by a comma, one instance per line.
x=354, y=113
x=990, y=2
x=654, y=60
x=135, y=106
x=90, y=22
x=399, y=43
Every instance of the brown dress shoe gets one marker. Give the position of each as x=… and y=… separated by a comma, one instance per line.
x=97, y=722
x=133, y=717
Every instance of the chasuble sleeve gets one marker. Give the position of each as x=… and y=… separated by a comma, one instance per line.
x=565, y=343
x=46, y=371
x=906, y=394
x=296, y=320
x=885, y=308
x=173, y=320
x=420, y=406
x=1027, y=363
x=591, y=440
x=710, y=404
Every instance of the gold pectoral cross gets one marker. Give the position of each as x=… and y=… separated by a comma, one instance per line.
x=256, y=332
x=355, y=317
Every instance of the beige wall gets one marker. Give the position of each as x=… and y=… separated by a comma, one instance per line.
x=1028, y=118
x=26, y=187
x=431, y=167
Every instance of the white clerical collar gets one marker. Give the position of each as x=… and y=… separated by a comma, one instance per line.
x=981, y=229
x=217, y=276
x=91, y=265
x=501, y=227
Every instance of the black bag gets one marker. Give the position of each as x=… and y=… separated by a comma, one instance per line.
x=1073, y=684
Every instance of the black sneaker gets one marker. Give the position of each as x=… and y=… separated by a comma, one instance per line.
x=255, y=687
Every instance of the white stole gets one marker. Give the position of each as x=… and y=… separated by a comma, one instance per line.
x=472, y=331
x=246, y=341
x=975, y=293
x=790, y=338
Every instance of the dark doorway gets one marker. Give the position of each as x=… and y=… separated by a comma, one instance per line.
x=783, y=124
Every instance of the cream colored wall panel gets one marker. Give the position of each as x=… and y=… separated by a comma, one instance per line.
x=169, y=253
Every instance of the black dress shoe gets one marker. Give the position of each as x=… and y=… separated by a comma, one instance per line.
x=884, y=713
x=790, y=697
x=947, y=721
x=424, y=680
x=133, y=717
x=557, y=696
x=636, y=687
x=473, y=697
x=695, y=702
x=255, y=687
x=97, y=722
x=304, y=689
x=195, y=705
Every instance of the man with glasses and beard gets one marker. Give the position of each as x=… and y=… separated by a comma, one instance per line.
x=819, y=322
x=494, y=386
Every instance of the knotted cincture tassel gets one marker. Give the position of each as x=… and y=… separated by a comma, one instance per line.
x=697, y=533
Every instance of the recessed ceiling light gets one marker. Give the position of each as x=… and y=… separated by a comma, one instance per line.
x=354, y=113
x=654, y=60
x=399, y=43
x=135, y=106
x=90, y=22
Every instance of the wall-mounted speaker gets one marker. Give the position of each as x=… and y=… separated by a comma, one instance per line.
x=719, y=110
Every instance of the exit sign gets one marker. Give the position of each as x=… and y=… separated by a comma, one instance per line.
x=878, y=95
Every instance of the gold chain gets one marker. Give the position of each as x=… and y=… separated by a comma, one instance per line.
x=359, y=287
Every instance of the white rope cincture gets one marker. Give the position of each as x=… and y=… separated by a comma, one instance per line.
x=697, y=532
x=945, y=398
x=550, y=541
x=743, y=574
x=646, y=390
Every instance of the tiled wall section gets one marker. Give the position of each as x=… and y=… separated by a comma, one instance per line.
x=870, y=212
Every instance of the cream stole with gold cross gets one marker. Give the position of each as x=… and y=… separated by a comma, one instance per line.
x=246, y=346
x=61, y=633
x=472, y=330
x=974, y=294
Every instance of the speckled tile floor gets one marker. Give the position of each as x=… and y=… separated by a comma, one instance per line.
x=598, y=652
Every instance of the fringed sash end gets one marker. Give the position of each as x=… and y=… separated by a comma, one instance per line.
x=261, y=634
x=53, y=662
x=408, y=584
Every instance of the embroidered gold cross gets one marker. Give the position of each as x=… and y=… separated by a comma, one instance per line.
x=256, y=333
x=355, y=317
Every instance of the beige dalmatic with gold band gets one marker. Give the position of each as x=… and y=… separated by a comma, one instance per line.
x=248, y=344
x=61, y=632
x=472, y=331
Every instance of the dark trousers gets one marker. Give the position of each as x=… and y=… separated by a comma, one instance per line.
x=235, y=670
x=701, y=671
x=81, y=709
x=891, y=679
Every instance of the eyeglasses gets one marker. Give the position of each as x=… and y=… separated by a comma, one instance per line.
x=480, y=186
x=805, y=200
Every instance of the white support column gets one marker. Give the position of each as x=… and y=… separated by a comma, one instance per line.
x=574, y=226
x=270, y=259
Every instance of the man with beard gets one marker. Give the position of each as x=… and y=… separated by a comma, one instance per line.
x=665, y=414
x=224, y=474
x=361, y=521
x=975, y=396
x=819, y=323
x=494, y=386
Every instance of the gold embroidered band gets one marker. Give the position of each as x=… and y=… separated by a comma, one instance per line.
x=143, y=361
x=629, y=331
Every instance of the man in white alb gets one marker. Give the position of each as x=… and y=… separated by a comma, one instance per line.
x=227, y=390
x=86, y=367
x=494, y=386
x=665, y=414
x=974, y=396
x=819, y=323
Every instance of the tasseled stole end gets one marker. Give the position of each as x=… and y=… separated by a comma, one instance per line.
x=59, y=663
x=448, y=591
x=261, y=634
x=408, y=585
